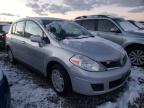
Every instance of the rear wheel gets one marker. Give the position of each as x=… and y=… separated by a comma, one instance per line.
x=60, y=80
x=10, y=56
x=136, y=55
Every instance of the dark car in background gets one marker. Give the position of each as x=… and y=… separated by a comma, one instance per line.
x=4, y=92
x=119, y=31
x=4, y=28
x=142, y=22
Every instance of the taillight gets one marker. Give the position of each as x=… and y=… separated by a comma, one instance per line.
x=8, y=36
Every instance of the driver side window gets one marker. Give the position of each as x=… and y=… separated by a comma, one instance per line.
x=106, y=26
x=32, y=29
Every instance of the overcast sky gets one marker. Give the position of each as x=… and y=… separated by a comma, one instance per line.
x=69, y=9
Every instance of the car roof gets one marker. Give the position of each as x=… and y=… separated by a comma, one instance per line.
x=39, y=19
x=44, y=18
x=97, y=16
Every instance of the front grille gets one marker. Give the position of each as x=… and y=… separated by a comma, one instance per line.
x=116, y=63
x=116, y=83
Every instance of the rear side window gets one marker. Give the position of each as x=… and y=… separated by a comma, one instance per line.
x=105, y=25
x=18, y=29
x=32, y=29
x=89, y=24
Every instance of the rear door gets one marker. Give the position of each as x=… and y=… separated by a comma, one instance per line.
x=17, y=42
x=104, y=29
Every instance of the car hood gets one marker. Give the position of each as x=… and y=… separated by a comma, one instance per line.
x=138, y=33
x=96, y=48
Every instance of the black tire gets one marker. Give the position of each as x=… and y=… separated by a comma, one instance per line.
x=10, y=56
x=130, y=52
x=67, y=88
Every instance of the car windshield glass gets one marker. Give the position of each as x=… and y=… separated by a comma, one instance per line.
x=67, y=29
x=127, y=26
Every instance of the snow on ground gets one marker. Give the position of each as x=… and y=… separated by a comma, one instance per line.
x=135, y=88
x=30, y=90
x=26, y=93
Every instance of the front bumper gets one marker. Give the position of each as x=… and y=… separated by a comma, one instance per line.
x=4, y=93
x=96, y=83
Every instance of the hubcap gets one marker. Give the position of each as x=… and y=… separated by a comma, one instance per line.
x=10, y=56
x=137, y=57
x=57, y=80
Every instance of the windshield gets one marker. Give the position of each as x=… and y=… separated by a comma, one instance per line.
x=127, y=26
x=67, y=29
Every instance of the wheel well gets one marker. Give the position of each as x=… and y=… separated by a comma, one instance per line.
x=133, y=45
x=49, y=67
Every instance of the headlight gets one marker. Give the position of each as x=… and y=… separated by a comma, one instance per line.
x=1, y=75
x=86, y=63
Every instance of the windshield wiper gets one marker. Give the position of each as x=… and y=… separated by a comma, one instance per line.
x=77, y=37
x=141, y=28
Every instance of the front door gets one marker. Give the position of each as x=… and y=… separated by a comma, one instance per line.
x=35, y=54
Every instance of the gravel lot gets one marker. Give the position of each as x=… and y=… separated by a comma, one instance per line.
x=31, y=90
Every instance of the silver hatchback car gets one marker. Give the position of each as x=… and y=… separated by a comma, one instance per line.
x=69, y=55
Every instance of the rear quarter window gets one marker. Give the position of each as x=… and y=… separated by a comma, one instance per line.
x=89, y=24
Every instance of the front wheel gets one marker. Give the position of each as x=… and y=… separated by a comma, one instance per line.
x=60, y=80
x=136, y=55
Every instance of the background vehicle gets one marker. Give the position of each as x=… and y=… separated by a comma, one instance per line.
x=119, y=31
x=142, y=22
x=69, y=55
x=4, y=28
x=4, y=92
x=138, y=24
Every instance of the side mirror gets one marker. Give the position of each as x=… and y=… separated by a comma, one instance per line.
x=115, y=30
x=36, y=38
